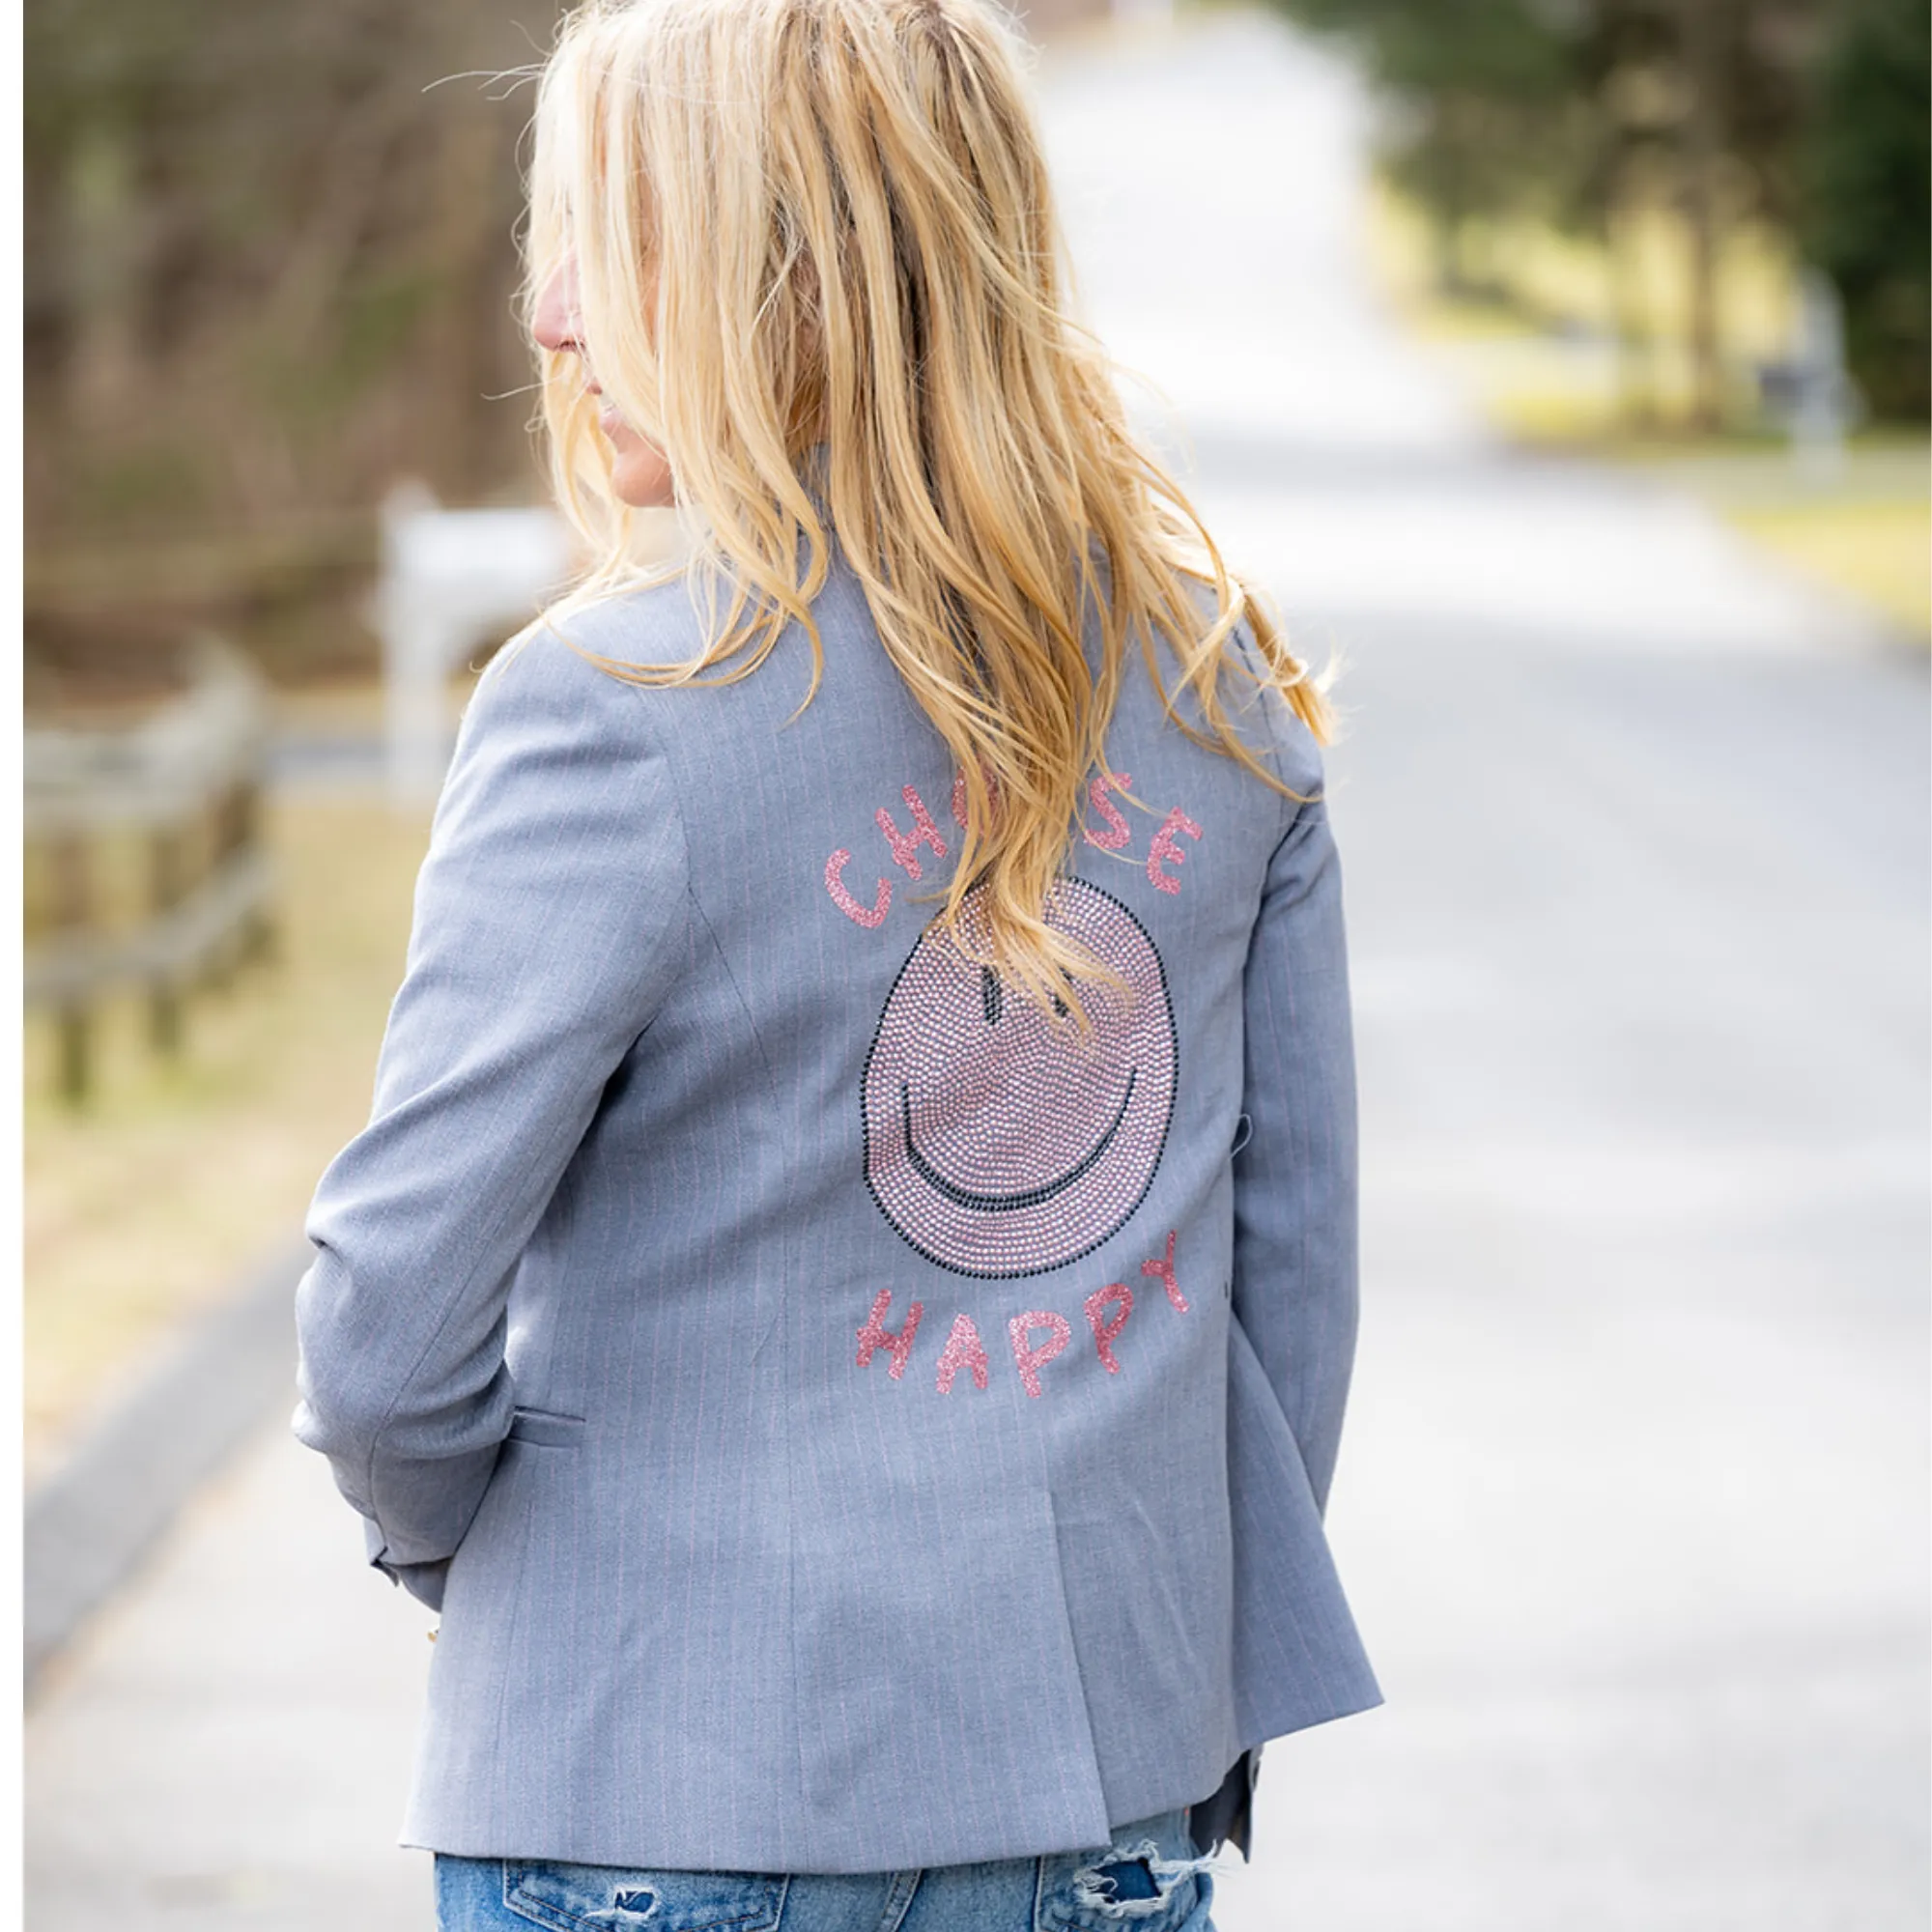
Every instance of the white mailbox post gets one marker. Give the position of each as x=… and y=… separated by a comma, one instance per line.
x=1825, y=406
x=451, y=579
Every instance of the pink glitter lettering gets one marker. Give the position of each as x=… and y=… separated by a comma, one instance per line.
x=1117, y=1295
x=1164, y=849
x=834, y=884
x=963, y=1350
x=1164, y=1269
x=905, y=844
x=1031, y=1360
x=876, y=1335
x=1117, y=833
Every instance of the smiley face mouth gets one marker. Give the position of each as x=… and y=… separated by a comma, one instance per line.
x=1029, y=1197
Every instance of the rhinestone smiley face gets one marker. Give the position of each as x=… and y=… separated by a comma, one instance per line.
x=1000, y=1139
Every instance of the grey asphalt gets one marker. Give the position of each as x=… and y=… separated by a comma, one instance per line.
x=1633, y=1503
x=119, y=1488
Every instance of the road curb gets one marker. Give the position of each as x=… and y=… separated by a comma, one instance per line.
x=94, y=1518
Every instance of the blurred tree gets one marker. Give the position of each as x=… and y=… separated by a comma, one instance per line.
x=1484, y=97
x=1744, y=67
x=269, y=259
x=1867, y=219
x=1585, y=112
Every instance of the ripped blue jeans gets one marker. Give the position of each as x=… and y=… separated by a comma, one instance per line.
x=1147, y=1880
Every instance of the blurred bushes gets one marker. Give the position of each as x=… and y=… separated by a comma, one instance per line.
x=1804, y=119
x=269, y=266
x=1867, y=212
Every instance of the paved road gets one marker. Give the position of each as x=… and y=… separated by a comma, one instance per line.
x=1633, y=1501
x=228, y=1744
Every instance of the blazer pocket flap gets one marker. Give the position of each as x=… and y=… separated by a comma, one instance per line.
x=544, y=1429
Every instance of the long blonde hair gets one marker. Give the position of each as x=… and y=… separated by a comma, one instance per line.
x=819, y=267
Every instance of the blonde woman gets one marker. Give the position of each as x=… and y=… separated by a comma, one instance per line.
x=846, y=1298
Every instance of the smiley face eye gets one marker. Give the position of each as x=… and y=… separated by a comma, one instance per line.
x=992, y=996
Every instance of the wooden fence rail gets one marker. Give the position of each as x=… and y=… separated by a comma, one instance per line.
x=179, y=790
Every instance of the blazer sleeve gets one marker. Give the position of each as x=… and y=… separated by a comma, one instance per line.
x=1295, y=1262
x=548, y=914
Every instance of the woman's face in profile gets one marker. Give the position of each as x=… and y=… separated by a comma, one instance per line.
x=640, y=475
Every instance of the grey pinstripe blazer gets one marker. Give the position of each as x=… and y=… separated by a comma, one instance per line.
x=846, y=1422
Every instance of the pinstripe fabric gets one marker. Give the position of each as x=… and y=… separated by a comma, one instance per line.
x=581, y=1339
